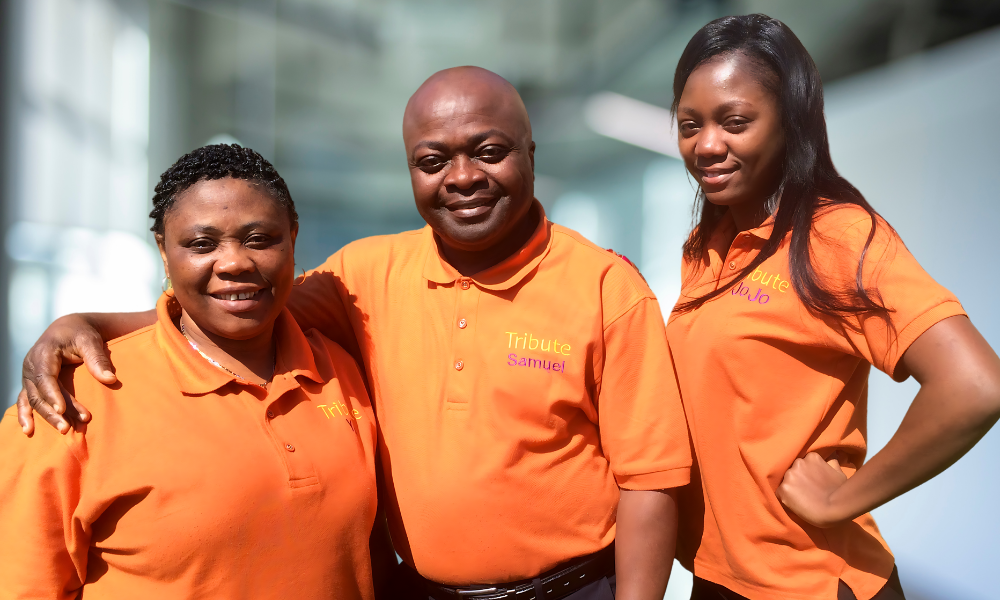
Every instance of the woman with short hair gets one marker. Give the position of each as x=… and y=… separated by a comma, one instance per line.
x=234, y=457
x=793, y=287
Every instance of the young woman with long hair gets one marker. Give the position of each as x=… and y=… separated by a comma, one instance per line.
x=793, y=288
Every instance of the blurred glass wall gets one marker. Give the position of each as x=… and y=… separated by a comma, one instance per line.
x=100, y=96
x=76, y=234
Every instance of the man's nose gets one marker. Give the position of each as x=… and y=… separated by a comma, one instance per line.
x=710, y=143
x=234, y=259
x=464, y=173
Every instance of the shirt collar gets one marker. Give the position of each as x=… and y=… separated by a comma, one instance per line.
x=763, y=231
x=196, y=376
x=726, y=230
x=502, y=276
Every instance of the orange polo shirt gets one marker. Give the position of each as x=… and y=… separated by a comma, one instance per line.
x=188, y=484
x=511, y=404
x=766, y=381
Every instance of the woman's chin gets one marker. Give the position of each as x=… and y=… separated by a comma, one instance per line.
x=722, y=198
x=728, y=196
x=244, y=326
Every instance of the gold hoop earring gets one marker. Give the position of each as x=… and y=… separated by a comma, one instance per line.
x=165, y=284
x=299, y=279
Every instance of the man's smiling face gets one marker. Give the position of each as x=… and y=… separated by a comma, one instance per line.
x=468, y=143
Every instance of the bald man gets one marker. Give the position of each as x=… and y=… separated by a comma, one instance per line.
x=531, y=433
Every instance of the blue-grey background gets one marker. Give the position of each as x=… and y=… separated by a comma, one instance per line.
x=100, y=96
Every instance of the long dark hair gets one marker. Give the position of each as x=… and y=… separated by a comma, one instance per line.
x=809, y=181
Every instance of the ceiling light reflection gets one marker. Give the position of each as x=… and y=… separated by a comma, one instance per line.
x=632, y=121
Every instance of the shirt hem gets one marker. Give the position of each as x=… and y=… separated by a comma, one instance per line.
x=752, y=592
x=657, y=480
x=757, y=593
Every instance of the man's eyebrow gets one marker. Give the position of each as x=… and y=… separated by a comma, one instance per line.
x=479, y=138
x=430, y=144
x=475, y=140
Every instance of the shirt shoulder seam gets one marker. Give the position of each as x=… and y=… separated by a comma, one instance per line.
x=615, y=263
x=629, y=308
x=128, y=336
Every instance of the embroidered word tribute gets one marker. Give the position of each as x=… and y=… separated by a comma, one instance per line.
x=767, y=282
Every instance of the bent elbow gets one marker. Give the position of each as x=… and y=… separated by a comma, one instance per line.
x=992, y=402
x=985, y=396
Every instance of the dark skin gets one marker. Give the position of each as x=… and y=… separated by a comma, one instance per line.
x=206, y=258
x=730, y=136
x=731, y=139
x=472, y=165
x=468, y=143
x=225, y=238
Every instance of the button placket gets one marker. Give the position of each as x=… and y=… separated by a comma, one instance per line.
x=739, y=251
x=298, y=467
x=459, y=384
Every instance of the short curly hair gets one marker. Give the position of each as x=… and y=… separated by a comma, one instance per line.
x=217, y=161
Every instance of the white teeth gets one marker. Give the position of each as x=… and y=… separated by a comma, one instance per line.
x=238, y=296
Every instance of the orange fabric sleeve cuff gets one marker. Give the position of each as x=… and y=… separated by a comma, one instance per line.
x=918, y=326
x=657, y=480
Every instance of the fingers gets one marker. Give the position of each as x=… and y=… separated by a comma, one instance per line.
x=39, y=373
x=815, y=458
x=25, y=417
x=75, y=412
x=96, y=358
x=82, y=414
x=43, y=408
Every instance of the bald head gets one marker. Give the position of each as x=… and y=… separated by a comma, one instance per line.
x=466, y=91
x=472, y=161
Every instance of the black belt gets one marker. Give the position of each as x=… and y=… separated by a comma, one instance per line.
x=552, y=585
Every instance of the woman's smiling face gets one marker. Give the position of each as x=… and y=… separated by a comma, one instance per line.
x=730, y=133
x=229, y=250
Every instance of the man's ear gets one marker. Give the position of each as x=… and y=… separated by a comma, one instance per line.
x=531, y=157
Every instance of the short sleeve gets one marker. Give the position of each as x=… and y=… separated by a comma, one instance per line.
x=643, y=430
x=891, y=275
x=322, y=301
x=40, y=481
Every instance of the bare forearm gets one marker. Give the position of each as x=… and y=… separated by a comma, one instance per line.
x=930, y=439
x=958, y=402
x=645, y=542
x=113, y=325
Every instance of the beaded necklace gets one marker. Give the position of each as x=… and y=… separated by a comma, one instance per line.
x=216, y=363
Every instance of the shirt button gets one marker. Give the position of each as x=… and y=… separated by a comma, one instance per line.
x=290, y=447
x=270, y=414
x=465, y=285
x=458, y=365
x=462, y=323
x=732, y=264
